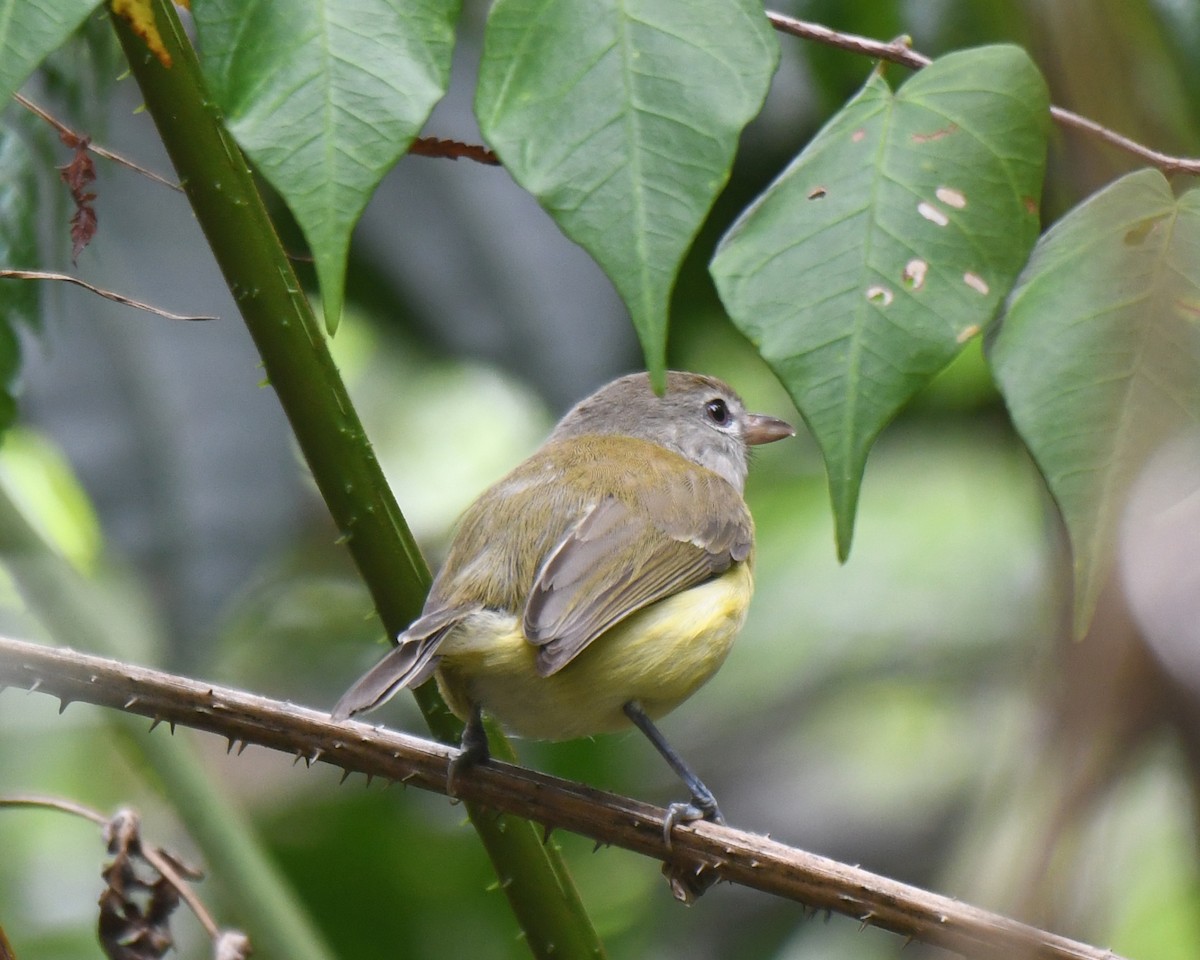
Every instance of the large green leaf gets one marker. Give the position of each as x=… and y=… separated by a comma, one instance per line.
x=1098, y=355
x=30, y=31
x=325, y=98
x=19, y=300
x=622, y=118
x=888, y=244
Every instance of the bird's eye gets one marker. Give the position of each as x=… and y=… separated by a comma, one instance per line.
x=718, y=411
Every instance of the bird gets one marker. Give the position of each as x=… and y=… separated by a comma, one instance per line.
x=600, y=583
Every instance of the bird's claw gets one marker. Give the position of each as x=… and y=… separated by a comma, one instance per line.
x=699, y=808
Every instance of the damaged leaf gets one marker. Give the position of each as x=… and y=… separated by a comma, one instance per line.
x=888, y=244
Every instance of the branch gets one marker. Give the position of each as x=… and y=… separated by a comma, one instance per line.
x=734, y=855
x=899, y=51
x=72, y=139
x=106, y=294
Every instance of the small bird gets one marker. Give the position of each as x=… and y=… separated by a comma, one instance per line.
x=601, y=582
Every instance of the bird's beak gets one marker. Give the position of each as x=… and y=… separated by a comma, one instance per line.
x=763, y=429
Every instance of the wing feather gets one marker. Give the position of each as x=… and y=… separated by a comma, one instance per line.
x=630, y=551
x=408, y=664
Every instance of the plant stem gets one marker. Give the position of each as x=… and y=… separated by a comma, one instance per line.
x=277, y=314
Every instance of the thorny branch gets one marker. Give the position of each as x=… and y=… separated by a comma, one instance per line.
x=739, y=857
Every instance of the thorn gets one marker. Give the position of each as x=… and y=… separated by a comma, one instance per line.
x=317, y=754
x=345, y=777
x=596, y=848
x=154, y=723
x=370, y=777
x=172, y=728
x=63, y=703
x=297, y=758
x=229, y=745
x=407, y=777
x=242, y=746
x=865, y=921
x=130, y=702
x=33, y=687
x=307, y=762
x=547, y=829
x=907, y=940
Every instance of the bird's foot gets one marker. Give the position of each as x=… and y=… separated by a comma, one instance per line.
x=688, y=881
x=473, y=749
x=699, y=808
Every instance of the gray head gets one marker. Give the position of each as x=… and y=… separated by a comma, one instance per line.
x=699, y=417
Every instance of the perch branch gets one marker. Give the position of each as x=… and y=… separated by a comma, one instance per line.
x=739, y=857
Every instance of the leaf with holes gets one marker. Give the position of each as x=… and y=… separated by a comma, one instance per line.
x=1098, y=356
x=325, y=98
x=888, y=244
x=622, y=117
x=30, y=32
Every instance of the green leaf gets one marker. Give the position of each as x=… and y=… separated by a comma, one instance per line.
x=622, y=117
x=888, y=244
x=1098, y=356
x=325, y=98
x=19, y=301
x=29, y=32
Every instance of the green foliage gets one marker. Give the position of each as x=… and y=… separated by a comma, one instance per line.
x=888, y=244
x=1098, y=356
x=30, y=32
x=325, y=98
x=869, y=269
x=622, y=119
x=20, y=301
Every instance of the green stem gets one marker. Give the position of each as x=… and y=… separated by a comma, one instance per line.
x=292, y=345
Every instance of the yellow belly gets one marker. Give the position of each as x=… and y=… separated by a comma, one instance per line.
x=659, y=656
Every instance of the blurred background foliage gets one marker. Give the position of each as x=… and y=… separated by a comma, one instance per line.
x=918, y=711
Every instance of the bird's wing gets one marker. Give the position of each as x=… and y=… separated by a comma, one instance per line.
x=408, y=664
x=591, y=581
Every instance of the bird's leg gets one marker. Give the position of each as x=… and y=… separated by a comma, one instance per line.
x=703, y=805
x=473, y=748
